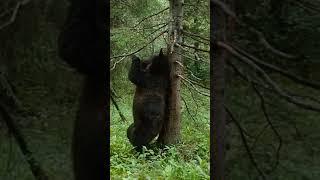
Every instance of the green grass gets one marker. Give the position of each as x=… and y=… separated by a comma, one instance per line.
x=186, y=160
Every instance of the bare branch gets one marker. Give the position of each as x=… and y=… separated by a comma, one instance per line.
x=137, y=29
x=185, y=103
x=314, y=85
x=269, y=89
x=195, y=35
x=166, y=24
x=260, y=35
x=267, y=78
x=36, y=169
x=118, y=109
x=193, y=86
x=191, y=58
x=307, y=5
x=197, y=83
x=245, y=143
x=129, y=54
x=198, y=49
x=264, y=109
x=14, y=14
x=117, y=62
x=150, y=16
x=193, y=98
x=186, y=68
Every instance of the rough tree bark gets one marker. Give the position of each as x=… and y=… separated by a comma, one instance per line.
x=170, y=133
x=218, y=114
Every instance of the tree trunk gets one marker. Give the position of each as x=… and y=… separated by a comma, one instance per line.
x=170, y=133
x=218, y=113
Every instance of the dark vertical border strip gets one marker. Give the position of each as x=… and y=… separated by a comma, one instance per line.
x=107, y=46
x=103, y=11
x=108, y=86
x=211, y=88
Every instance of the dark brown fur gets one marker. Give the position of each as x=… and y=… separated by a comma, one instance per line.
x=151, y=78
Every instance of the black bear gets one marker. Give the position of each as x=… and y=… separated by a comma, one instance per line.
x=82, y=44
x=151, y=78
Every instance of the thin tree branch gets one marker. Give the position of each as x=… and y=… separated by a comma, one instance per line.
x=260, y=35
x=129, y=54
x=145, y=18
x=264, y=109
x=267, y=78
x=246, y=78
x=191, y=58
x=308, y=5
x=137, y=29
x=314, y=85
x=185, y=103
x=256, y=83
x=305, y=7
x=195, y=35
x=193, y=98
x=37, y=171
x=117, y=62
x=198, y=49
x=193, y=86
x=166, y=24
x=14, y=14
x=245, y=143
x=118, y=109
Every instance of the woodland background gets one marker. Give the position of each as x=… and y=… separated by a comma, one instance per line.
x=40, y=92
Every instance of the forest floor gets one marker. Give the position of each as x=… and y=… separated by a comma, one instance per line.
x=187, y=160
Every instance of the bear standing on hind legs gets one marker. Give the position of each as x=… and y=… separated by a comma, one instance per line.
x=151, y=78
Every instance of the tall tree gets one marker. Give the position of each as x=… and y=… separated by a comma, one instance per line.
x=218, y=114
x=171, y=130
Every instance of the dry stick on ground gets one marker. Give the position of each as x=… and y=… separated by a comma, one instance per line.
x=113, y=92
x=118, y=109
x=279, y=91
x=129, y=54
x=245, y=143
x=35, y=167
x=260, y=35
x=159, y=12
x=264, y=109
x=293, y=77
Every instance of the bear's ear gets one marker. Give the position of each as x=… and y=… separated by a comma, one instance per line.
x=161, y=53
x=135, y=58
